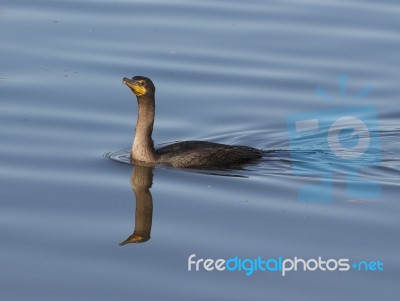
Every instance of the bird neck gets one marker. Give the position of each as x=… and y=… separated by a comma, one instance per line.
x=143, y=146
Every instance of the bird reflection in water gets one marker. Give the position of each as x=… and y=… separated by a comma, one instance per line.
x=141, y=182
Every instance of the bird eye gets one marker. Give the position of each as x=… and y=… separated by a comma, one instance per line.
x=141, y=83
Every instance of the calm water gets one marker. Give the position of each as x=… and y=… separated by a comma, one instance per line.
x=225, y=71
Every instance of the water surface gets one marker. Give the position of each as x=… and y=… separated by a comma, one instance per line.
x=229, y=72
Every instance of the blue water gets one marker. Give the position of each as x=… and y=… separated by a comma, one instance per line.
x=225, y=71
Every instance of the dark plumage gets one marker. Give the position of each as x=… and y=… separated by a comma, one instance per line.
x=201, y=154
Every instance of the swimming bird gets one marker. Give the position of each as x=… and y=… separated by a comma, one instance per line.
x=186, y=154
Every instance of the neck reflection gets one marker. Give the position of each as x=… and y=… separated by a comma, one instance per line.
x=141, y=182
